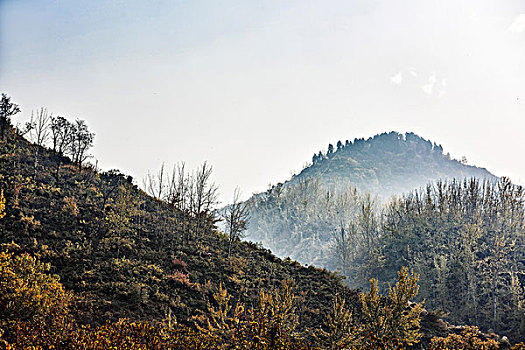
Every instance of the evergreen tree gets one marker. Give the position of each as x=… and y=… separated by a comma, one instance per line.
x=330, y=150
x=7, y=110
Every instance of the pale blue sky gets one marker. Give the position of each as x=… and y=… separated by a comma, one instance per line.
x=256, y=87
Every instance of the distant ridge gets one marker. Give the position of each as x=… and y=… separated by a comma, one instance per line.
x=388, y=163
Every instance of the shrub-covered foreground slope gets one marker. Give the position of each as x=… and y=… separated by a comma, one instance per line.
x=126, y=255
x=35, y=314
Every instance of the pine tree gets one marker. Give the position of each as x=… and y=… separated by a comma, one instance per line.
x=339, y=330
x=7, y=110
x=392, y=321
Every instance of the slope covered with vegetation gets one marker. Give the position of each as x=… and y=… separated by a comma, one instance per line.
x=125, y=254
x=90, y=261
x=465, y=236
x=301, y=221
x=300, y=218
x=466, y=239
x=387, y=164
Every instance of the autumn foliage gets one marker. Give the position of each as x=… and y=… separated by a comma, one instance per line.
x=35, y=314
x=34, y=307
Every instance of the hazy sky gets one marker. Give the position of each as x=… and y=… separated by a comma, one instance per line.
x=256, y=87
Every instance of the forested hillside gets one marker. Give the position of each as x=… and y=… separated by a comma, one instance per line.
x=387, y=164
x=466, y=236
x=126, y=254
x=300, y=217
x=302, y=220
x=90, y=261
x=467, y=241
x=123, y=253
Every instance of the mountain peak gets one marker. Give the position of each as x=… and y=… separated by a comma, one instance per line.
x=387, y=163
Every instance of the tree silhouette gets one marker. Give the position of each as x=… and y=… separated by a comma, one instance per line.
x=7, y=110
x=330, y=149
x=82, y=141
x=236, y=218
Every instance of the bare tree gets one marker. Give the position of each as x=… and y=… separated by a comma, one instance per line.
x=205, y=192
x=236, y=217
x=40, y=130
x=7, y=110
x=178, y=191
x=193, y=194
x=155, y=185
x=345, y=243
x=180, y=195
x=204, y=196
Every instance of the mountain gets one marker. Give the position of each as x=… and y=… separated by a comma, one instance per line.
x=459, y=226
x=387, y=164
x=301, y=217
